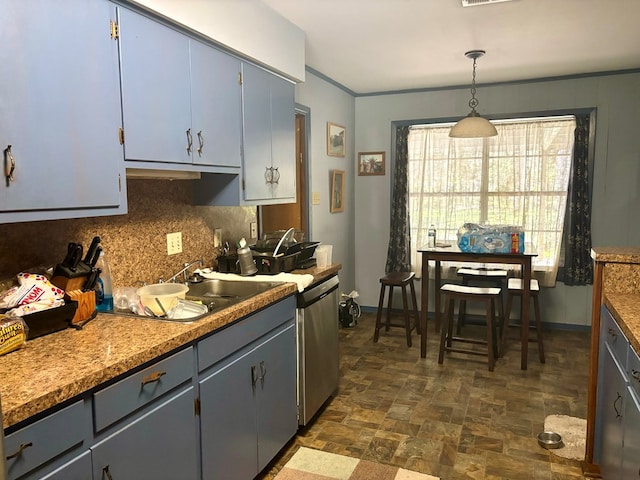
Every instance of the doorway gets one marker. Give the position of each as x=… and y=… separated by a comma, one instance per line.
x=291, y=215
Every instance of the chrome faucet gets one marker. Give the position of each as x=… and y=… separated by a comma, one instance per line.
x=185, y=272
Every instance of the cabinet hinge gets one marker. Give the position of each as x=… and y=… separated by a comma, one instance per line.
x=113, y=28
x=239, y=78
x=243, y=184
x=196, y=406
x=119, y=183
x=121, y=135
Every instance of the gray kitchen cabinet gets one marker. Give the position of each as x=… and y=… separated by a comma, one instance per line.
x=181, y=99
x=58, y=441
x=248, y=396
x=160, y=445
x=269, y=163
x=60, y=111
x=631, y=451
x=617, y=447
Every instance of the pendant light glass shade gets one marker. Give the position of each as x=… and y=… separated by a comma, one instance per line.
x=473, y=125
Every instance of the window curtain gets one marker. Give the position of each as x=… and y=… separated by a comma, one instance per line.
x=578, y=266
x=399, y=250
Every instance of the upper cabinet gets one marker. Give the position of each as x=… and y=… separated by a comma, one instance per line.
x=269, y=163
x=181, y=99
x=59, y=112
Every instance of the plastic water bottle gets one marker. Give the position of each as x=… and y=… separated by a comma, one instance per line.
x=104, y=288
x=431, y=237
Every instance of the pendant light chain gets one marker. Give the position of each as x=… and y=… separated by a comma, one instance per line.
x=473, y=103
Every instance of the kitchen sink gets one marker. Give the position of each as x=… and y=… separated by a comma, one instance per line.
x=216, y=295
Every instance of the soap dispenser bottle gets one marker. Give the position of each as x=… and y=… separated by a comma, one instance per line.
x=104, y=287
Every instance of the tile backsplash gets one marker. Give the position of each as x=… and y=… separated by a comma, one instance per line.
x=135, y=244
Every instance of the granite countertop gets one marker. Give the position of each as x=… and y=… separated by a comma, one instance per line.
x=616, y=254
x=625, y=308
x=55, y=368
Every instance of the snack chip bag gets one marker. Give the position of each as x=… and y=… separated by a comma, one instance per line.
x=34, y=293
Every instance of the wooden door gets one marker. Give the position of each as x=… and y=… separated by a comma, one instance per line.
x=285, y=216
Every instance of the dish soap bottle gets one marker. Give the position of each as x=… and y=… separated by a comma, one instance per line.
x=104, y=288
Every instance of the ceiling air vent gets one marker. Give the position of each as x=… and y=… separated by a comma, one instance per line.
x=475, y=3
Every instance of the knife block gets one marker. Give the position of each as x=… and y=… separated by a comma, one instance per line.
x=69, y=284
x=86, y=306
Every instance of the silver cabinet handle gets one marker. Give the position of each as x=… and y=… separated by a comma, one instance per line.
x=189, y=141
x=263, y=372
x=105, y=472
x=9, y=165
x=276, y=175
x=268, y=174
x=153, y=377
x=618, y=414
x=254, y=376
x=201, y=142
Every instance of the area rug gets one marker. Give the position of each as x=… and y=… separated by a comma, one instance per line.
x=310, y=464
x=574, y=433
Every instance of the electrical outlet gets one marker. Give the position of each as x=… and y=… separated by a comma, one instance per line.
x=253, y=227
x=174, y=243
x=217, y=238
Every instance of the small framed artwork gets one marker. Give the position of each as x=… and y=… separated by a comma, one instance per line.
x=337, y=191
x=371, y=163
x=336, y=140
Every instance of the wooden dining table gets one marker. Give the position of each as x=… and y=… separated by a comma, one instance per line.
x=451, y=253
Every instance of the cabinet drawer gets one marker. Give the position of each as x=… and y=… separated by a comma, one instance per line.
x=613, y=336
x=633, y=371
x=135, y=391
x=222, y=344
x=45, y=439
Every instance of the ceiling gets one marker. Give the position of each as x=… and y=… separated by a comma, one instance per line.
x=389, y=45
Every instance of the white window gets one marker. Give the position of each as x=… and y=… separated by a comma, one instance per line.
x=519, y=177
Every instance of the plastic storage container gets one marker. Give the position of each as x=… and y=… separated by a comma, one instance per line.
x=104, y=290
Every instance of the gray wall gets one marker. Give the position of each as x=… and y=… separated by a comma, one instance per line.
x=328, y=103
x=616, y=171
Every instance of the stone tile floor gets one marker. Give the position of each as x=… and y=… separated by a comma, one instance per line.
x=456, y=420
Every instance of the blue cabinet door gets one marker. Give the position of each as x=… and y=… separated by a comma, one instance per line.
x=160, y=445
x=256, y=106
x=77, y=469
x=283, y=143
x=155, y=90
x=631, y=452
x=60, y=109
x=216, y=107
x=276, y=402
x=228, y=420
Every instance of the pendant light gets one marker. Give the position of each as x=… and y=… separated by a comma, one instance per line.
x=473, y=125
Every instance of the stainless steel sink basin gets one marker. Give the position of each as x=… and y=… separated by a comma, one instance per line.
x=216, y=295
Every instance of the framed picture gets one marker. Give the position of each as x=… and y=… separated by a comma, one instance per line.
x=337, y=191
x=371, y=163
x=336, y=140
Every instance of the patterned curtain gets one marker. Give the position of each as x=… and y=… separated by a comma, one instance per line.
x=578, y=265
x=399, y=251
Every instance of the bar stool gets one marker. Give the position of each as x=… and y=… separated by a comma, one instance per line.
x=491, y=297
x=402, y=280
x=487, y=276
x=514, y=289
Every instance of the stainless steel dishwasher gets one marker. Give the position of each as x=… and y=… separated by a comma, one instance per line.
x=318, y=350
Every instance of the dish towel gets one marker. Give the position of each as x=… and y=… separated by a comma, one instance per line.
x=302, y=280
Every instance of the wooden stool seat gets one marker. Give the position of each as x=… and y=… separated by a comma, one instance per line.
x=483, y=276
x=490, y=296
x=402, y=280
x=514, y=289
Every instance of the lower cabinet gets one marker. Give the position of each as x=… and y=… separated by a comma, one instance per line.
x=617, y=448
x=159, y=445
x=248, y=400
x=146, y=424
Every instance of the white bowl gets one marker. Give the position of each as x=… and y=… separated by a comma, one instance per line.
x=165, y=293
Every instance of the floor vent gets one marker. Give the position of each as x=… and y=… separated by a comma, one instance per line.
x=475, y=3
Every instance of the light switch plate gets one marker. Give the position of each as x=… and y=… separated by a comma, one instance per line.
x=174, y=243
x=217, y=238
x=253, y=230
x=315, y=198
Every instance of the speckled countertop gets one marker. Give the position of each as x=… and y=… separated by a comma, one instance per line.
x=55, y=368
x=616, y=254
